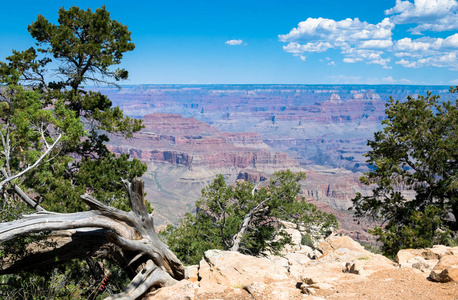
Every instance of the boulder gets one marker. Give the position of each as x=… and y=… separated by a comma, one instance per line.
x=446, y=269
x=339, y=251
x=229, y=273
x=437, y=261
x=183, y=290
x=232, y=268
x=193, y=273
x=336, y=242
x=406, y=255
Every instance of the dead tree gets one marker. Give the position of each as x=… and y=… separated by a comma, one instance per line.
x=126, y=238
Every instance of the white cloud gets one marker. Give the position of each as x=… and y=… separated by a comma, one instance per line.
x=390, y=79
x=338, y=32
x=355, y=39
x=376, y=44
x=407, y=63
x=362, y=42
x=426, y=51
x=451, y=42
x=449, y=60
x=404, y=80
x=234, y=42
x=406, y=45
x=309, y=47
x=369, y=56
x=407, y=54
x=435, y=15
x=330, y=61
x=407, y=11
x=344, y=79
x=454, y=82
x=351, y=60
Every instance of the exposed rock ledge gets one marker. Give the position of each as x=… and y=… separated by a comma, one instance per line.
x=344, y=270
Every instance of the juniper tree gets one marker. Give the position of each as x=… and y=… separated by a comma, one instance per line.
x=417, y=151
x=53, y=130
x=43, y=98
x=245, y=218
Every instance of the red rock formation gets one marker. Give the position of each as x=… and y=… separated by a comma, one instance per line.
x=188, y=142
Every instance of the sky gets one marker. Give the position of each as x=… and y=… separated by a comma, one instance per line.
x=412, y=42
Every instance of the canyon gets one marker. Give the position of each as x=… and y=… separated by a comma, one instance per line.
x=194, y=132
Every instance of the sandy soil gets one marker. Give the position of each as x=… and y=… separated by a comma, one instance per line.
x=394, y=284
x=397, y=284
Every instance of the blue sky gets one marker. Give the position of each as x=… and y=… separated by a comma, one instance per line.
x=283, y=41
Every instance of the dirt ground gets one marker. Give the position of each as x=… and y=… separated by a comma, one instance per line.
x=396, y=284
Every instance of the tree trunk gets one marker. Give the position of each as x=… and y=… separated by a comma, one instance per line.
x=236, y=239
x=126, y=238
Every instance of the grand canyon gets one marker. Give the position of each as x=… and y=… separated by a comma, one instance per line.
x=194, y=132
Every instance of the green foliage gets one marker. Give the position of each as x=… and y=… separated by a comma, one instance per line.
x=48, y=120
x=307, y=240
x=84, y=45
x=222, y=209
x=416, y=151
x=371, y=247
x=64, y=282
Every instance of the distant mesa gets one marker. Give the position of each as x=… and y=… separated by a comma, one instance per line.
x=367, y=96
x=335, y=98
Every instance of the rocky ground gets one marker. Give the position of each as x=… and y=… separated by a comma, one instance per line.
x=400, y=283
x=339, y=268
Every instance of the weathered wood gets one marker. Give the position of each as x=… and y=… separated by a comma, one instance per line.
x=236, y=239
x=127, y=238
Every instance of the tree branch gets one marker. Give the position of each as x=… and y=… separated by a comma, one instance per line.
x=131, y=232
x=2, y=183
x=246, y=221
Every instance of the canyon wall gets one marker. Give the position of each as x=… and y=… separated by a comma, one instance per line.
x=194, y=132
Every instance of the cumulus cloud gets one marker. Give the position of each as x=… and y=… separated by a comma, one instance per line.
x=234, y=42
x=309, y=47
x=436, y=52
x=435, y=15
x=447, y=60
x=338, y=32
x=352, y=36
x=362, y=42
x=407, y=45
x=377, y=44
